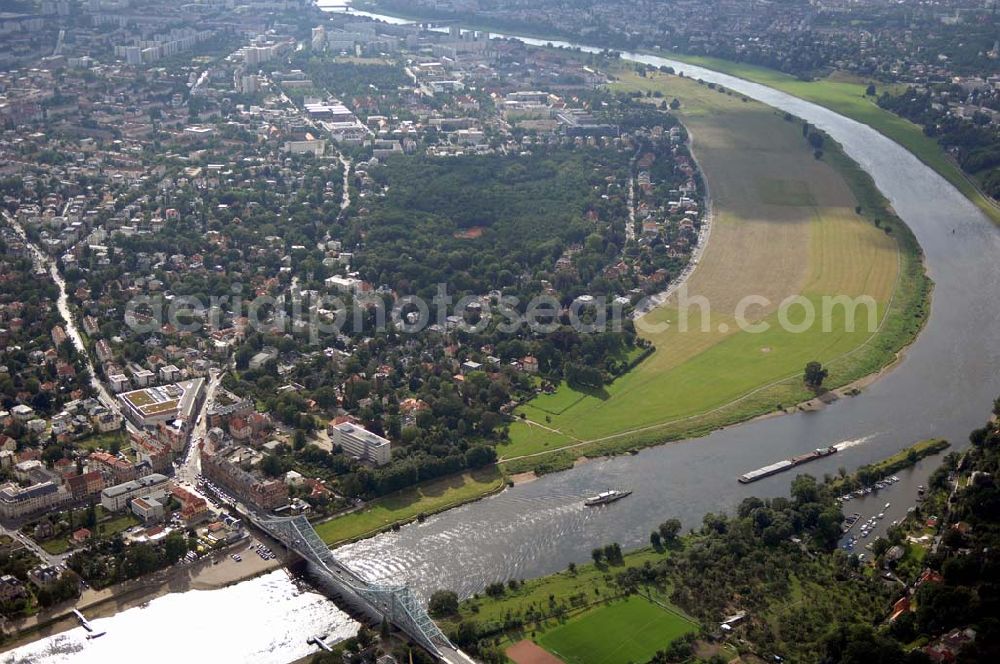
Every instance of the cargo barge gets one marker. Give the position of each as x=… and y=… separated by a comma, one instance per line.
x=786, y=464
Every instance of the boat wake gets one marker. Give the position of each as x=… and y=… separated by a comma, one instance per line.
x=847, y=444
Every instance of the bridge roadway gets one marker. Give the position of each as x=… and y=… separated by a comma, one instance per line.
x=396, y=603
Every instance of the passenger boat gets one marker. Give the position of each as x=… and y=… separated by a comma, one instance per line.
x=606, y=497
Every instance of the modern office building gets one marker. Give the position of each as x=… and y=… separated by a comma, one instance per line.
x=361, y=443
x=116, y=498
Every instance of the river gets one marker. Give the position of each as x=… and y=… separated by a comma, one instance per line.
x=264, y=620
x=943, y=387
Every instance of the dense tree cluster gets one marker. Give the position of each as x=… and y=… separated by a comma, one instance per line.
x=491, y=222
x=28, y=315
x=107, y=561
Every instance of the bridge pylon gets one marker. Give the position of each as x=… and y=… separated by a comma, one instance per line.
x=395, y=602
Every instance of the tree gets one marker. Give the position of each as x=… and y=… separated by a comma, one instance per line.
x=174, y=546
x=443, y=603
x=815, y=374
x=669, y=530
x=880, y=546
x=654, y=539
x=675, y=103
x=870, y=90
x=366, y=637
x=272, y=466
x=597, y=555
x=804, y=489
x=479, y=456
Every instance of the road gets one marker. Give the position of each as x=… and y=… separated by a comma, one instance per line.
x=190, y=466
x=62, y=304
x=345, y=202
x=30, y=544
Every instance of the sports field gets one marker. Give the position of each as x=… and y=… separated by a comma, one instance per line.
x=629, y=630
x=785, y=224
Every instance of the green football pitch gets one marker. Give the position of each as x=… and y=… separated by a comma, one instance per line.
x=631, y=630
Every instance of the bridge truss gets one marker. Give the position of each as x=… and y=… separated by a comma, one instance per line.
x=396, y=603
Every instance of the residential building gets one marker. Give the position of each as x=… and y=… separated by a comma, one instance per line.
x=113, y=469
x=10, y=588
x=245, y=486
x=361, y=443
x=17, y=502
x=85, y=484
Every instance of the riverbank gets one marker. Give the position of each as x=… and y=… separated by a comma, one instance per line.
x=771, y=362
x=870, y=473
x=845, y=97
x=848, y=98
x=210, y=573
x=412, y=504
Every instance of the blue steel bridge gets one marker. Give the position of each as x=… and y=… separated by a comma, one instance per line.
x=396, y=603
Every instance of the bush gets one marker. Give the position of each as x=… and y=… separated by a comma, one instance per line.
x=443, y=603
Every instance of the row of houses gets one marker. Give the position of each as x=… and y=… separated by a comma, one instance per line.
x=241, y=483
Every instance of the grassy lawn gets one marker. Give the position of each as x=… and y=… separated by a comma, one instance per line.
x=101, y=441
x=628, y=630
x=774, y=235
x=406, y=505
x=579, y=615
x=588, y=581
x=118, y=524
x=107, y=525
x=847, y=97
x=55, y=546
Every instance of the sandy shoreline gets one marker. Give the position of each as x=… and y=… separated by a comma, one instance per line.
x=210, y=573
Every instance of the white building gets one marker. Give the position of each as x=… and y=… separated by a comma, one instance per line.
x=119, y=382
x=148, y=509
x=22, y=412
x=361, y=443
x=143, y=377
x=169, y=373
x=115, y=498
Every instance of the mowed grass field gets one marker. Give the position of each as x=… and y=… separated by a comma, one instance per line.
x=847, y=97
x=579, y=615
x=784, y=225
x=628, y=630
x=403, y=506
